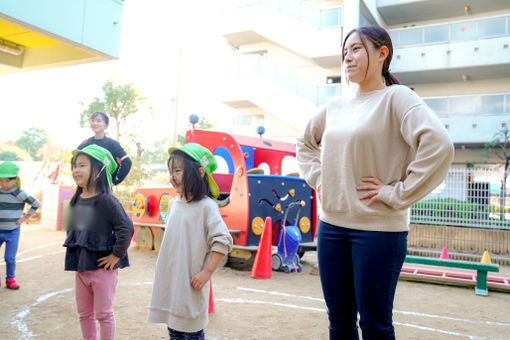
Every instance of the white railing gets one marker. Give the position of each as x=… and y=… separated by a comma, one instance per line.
x=456, y=31
x=321, y=18
x=257, y=64
x=480, y=104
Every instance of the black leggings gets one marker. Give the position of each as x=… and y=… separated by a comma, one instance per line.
x=176, y=335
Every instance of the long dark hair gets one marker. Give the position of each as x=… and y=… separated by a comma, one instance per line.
x=195, y=187
x=378, y=37
x=101, y=181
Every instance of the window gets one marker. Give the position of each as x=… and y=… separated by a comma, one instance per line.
x=242, y=120
x=334, y=80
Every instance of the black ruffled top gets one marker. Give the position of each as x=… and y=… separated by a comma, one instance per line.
x=97, y=227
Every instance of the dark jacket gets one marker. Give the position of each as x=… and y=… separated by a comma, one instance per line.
x=118, y=153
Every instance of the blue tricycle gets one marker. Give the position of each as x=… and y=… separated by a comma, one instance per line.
x=287, y=259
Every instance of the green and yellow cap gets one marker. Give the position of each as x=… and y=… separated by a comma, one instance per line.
x=102, y=155
x=8, y=170
x=206, y=160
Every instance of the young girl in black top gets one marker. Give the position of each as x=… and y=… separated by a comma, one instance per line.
x=98, y=235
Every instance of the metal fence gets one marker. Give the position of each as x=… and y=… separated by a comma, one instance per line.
x=466, y=198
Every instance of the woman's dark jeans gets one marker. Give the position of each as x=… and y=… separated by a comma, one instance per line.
x=359, y=272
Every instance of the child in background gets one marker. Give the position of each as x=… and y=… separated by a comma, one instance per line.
x=12, y=202
x=98, y=235
x=195, y=241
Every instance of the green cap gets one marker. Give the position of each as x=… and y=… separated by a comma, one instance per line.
x=8, y=170
x=206, y=160
x=102, y=155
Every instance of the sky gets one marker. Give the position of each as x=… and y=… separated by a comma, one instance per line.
x=153, y=33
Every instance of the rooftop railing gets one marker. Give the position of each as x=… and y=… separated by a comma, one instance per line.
x=320, y=18
x=455, y=31
x=484, y=104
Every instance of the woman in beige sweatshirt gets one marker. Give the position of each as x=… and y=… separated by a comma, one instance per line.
x=370, y=157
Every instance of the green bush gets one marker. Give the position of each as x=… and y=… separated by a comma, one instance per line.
x=13, y=153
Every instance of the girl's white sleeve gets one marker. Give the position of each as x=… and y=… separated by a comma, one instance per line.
x=308, y=149
x=218, y=236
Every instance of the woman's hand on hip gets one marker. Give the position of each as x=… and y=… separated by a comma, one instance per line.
x=372, y=190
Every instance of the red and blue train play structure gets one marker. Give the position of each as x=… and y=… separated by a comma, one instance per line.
x=247, y=195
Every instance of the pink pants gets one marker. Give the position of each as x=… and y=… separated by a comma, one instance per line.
x=95, y=290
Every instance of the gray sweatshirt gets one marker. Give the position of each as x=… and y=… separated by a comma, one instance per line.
x=193, y=230
x=389, y=134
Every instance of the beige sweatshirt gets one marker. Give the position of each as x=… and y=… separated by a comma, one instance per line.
x=389, y=134
x=193, y=230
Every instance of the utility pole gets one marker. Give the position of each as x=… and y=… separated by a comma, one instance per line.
x=176, y=99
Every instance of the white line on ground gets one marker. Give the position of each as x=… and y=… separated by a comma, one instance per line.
x=35, y=257
x=19, y=323
x=271, y=292
x=39, y=247
x=245, y=301
x=492, y=323
x=474, y=337
x=262, y=302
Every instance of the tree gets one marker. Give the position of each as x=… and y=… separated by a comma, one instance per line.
x=13, y=153
x=158, y=154
x=119, y=102
x=32, y=140
x=500, y=146
x=202, y=124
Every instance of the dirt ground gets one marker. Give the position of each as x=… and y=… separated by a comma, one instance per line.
x=287, y=306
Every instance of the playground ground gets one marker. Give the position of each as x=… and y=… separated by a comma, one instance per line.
x=288, y=306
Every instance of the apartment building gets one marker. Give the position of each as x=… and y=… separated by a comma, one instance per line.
x=455, y=54
x=285, y=62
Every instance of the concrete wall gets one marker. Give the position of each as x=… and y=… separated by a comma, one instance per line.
x=462, y=240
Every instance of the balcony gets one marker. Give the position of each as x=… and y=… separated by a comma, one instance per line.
x=473, y=119
x=320, y=18
x=258, y=65
x=309, y=32
x=439, y=53
x=258, y=83
x=397, y=12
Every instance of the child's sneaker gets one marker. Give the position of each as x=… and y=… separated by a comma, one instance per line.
x=11, y=283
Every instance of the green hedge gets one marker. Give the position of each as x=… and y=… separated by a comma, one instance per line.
x=454, y=212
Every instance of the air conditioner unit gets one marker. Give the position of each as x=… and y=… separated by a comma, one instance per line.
x=10, y=47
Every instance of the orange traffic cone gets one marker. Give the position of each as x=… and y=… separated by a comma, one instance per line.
x=211, y=300
x=444, y=254
x=262, y=264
